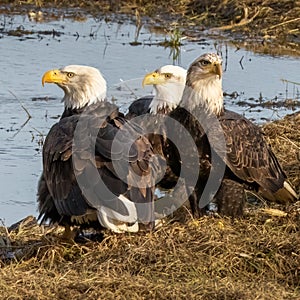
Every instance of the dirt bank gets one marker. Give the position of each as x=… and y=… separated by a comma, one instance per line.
x=256, y=257
x=266, y=26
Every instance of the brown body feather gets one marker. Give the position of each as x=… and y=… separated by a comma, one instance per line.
x=139, y=107
x=250, y=158
x=157, y=137
x=250, y=163
x=59, y=196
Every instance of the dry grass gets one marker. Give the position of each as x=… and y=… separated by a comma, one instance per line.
x=284, y=136
x=212, y=258
x=256, y=257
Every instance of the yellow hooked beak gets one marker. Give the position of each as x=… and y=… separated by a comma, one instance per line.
x=53, y=76
x=153, y=78
x=217, y=69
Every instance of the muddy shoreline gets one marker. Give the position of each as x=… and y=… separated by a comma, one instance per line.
x=269, y=27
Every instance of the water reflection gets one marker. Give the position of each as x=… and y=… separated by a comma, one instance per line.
x=29, y=48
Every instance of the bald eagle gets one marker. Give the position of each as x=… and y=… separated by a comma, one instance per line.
x=98, y=169
x=245, y=157
x=168, y=82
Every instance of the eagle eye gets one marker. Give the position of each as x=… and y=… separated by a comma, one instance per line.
x=205, y=62
x=70, y=74
x=168, y=75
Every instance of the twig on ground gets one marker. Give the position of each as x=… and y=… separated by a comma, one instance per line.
x=129, y=89
x=289, y=81
x=284, y=23
x=25, y=109
x=243, y=22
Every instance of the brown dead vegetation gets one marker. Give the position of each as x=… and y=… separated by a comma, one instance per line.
x=284, y=137
x=256, y=257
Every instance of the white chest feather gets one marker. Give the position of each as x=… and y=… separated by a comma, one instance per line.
x=205, y=93
x=166, y=96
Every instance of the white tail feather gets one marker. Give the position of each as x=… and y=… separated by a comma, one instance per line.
x=115, y=225
x=288, y=187
x=117, y=222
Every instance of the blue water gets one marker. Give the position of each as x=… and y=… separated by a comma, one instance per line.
x=106, y=46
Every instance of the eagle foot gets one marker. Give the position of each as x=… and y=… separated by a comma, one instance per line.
x=70, y=234
x=231, y=198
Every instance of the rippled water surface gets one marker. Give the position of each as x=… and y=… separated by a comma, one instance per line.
x=105, y=45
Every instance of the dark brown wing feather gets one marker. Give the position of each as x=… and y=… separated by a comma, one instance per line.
x=249, y=159
x=196, y=157
x=139, y=107
x=158, y=137
x=59, y=195
x=154, y=128
x=193, y=127
x=249, y=156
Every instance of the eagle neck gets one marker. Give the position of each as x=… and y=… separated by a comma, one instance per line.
x=78, y=101
x=167, y=97
x=89, y=109
x=205, y=94
x=68, y=112
x=83, y=94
